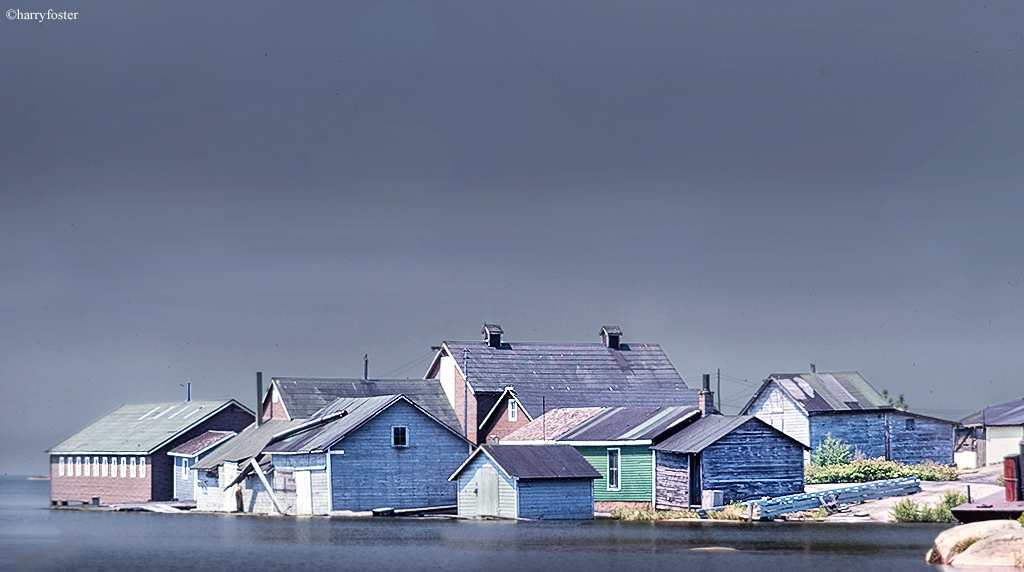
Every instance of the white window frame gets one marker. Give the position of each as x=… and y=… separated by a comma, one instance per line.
x=60, y=466
x=617, y=471
x=184, y=468
x=405, y=435
x=78, y=466
x=95, y=466
x=513, y=410
x=142, y=467
x=131, y=470
x=103, y=469
x=124, y=467
x=86, y=469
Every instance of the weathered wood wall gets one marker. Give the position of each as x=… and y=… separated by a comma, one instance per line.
x=776, y=408
x=373, y=474
x=928, y=440
x=184, y=486
x=468, y=487
x=673, y=480
x=567, y=499
x=753, y=461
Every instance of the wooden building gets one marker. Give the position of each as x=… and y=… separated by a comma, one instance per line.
x=495, y=386
x=811, y=406
x=531, y=482
x=993, y=433
x=741, y=456
x=185, y=457
x=616, y=441
x=123, y=456
x=360, y=454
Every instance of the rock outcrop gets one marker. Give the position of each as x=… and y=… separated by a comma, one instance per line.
x=985, y=544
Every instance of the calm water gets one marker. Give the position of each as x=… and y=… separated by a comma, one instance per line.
x=35, y=538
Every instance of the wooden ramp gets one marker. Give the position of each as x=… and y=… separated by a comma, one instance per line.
x=829, y=499
x=146, y=507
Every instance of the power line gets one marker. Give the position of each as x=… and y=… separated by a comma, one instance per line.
x=408, y=365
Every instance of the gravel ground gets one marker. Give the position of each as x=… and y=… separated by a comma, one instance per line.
x=982, y=482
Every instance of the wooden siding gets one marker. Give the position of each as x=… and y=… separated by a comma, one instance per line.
x=568, y=499
x=468, y=487
x=317, y=465
x=673, y=480
x=752, y=461
x=635, y=477
x=184, y=488
x=790, y=418
x=929, y=440
x=1002, y=441
x=864, y=431
x=372, y=474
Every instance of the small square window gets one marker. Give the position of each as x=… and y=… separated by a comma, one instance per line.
x=909, y=424
x=399, y=436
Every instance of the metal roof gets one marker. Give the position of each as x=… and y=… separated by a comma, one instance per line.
x=629, y=423
x=536, y=462
x=572, y=374
x=707, y=430
x=1009, y=413
x=141, y=428
x=303, y=397
x=247, y=444
x=822, y=392
x=552, y=425
x=201, y=443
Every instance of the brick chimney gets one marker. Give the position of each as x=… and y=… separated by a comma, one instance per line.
x=706, y=398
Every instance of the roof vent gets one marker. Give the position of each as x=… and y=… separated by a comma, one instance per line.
x=610, y=336
x=492, y=335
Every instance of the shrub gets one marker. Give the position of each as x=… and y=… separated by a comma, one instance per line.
x=649, y=514
x=831, y=452
x=907, y=510
x=1021, y=519
x=876, y=470
x=964, y=544
x=735, y=511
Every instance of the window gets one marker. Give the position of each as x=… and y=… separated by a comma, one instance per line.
x=132, y=472
x=184, y=468
x=124, y=467
x=284, y=479
x=95, y=466
x=613, y=469
x=60, y=466
x=399, y=436
x=513, y=410
x=909, y=424
x=142, y=467
x=103, y=470
x=85, y=467
x=78, y=466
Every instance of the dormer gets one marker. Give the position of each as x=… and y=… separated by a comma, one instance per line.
x=610, y=336
x=492, y=335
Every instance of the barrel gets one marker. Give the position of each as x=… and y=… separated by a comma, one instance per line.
x=1011, y=477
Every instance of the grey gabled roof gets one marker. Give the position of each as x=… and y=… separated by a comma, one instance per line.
x=572, y=374
x=356, y=411
x=535, y=462
x=707, y=430
x=247, y=444
x=303, y=397
x=1005, y=414
x=141, y=428
x=629, y=423
x=825, y=392
x=202, y=443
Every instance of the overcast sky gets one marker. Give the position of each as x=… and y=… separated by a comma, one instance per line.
x=196, y=191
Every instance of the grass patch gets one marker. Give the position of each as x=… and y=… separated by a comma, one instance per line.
x=735, y=511
x=965, y=544
x=650, y=514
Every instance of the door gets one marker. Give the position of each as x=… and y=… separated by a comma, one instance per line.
x=303, y=493
x=696, y=487
x=487, y=491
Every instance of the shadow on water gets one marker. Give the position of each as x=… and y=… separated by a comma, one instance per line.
x=34, y=538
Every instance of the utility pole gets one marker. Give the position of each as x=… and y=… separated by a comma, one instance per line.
x=720, y=390
x=465, y=393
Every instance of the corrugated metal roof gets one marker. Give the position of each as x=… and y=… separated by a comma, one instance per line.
x=552, y=425
x=141, y=428
x=1009, y=413
x=836, y=391
x=247, y=444
x=321, y=437
x=305, y=396
x=707, y=430
x=628, y=423
x=574, y=375
x=201, y=443
x=537, y=461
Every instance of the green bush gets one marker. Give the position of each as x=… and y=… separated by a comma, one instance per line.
x=907, y=510
x=831, y=452
x=876, y=470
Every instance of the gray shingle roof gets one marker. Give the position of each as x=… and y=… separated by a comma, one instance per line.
x=303, y=397
x=824, y=392
x=707, y=430
x=1009, y=413
x=141, y=428
x=246, y=445
x=536, y=462
x=193, y=447
x=574, y=375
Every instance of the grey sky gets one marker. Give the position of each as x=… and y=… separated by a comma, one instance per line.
x=196, y=191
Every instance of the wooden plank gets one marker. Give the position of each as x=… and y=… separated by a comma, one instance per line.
x=263, y=479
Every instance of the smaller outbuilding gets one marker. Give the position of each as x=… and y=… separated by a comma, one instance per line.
x=991, y=434
x=552, y=482
x=185, y=457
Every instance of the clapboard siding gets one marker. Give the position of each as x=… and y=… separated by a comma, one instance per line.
x=556, y=499
x=184, y=482
x=316, y=464
x=752, y=461
x=634, y=472
x=928, y=439
x=863, y=431
x=673, y=480
x=370, y=473
x=468, y=487
x=776, y=408
x=1000, y=442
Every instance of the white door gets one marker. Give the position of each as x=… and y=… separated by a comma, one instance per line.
x=487, y=487
x=303, y=493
